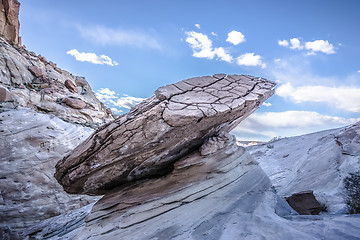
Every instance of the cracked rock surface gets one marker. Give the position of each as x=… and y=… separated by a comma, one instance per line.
x=156, y=133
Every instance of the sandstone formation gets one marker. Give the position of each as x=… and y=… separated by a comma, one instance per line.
x=30, y=145
x=156, y=133
x=9, y=21
x=304, y=203
x=223, y=195
x=317, y=161
x=35, y=83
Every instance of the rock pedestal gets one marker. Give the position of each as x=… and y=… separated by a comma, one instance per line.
x=148, y=140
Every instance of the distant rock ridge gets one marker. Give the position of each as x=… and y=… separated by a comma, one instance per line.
x=157, y=132
x=30, y=80
x=9, y=21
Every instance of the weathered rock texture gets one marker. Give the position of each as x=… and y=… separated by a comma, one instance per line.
x=317, y=161
x=159, y=131
x=35, y=83
x=223, y=195
x=30, y=145
x=9, y=21
x=304, y=203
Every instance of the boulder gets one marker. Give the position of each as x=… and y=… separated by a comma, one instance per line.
x=148, y=140
x=5, y=95
x=37, y=72
x=304, y=203
x=71, y=86
x=9, y=22
x=74, y=103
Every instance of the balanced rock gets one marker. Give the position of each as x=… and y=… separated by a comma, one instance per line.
x=148, y=140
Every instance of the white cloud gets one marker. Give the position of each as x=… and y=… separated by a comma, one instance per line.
x=295, y=44
x=315, y=46
x=108, y=36
x=197, y=25
x=358, y=71
x=250, y=59
x=127, y=101
x=283, y=43
x=92, y=58
x=214, y=34
x=264, y=126
x=345, y=98
x=266, y=104
x=320, y=46
x=223, y=54
x=235, y=37
x=202, y=47
x=114, y=101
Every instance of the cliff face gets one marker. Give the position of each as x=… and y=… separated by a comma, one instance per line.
x=9, y=21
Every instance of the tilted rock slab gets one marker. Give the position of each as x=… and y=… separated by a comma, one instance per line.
x=156, y=133
x=9, y=22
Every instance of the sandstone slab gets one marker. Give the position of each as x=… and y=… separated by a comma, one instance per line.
x=156, y=133
x=304, y=203
x=5, y=95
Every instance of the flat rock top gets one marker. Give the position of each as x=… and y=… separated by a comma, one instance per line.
x=156, y=133
x=209, y=95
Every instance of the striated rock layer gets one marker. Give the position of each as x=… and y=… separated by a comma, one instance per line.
x=152, y=136
x=318, y=161
x=9, y=22
x=223, y=195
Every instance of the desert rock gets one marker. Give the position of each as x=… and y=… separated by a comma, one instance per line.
x=5, y=95
x=157, y=132
x=71, y=86
x=75, y=103
x=304, y=203
x=9, y=22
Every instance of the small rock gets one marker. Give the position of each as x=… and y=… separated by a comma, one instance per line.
x=71, y=86
x=5, y=95
x=58, y=70
x=74, y=103
x=37, y=72
x=304, y=203
x=44, y=85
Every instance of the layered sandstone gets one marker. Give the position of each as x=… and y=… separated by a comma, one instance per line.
x=156, y=133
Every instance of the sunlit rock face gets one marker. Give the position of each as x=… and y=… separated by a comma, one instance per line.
x=31, y=81
x=148, y=140
x=9, y=21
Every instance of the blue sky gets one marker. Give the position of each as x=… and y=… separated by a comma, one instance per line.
x=127, y=49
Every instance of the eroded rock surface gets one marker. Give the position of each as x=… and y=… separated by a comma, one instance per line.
x=318, y=161
x=30, y=145
x=160, y=130
x=304, y=203
x=9, y=22
x=35, y=83
x=223, y=195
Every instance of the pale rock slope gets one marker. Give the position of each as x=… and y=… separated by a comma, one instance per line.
x=318, y=161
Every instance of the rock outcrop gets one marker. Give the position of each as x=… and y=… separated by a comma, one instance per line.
x=148, y=140
x=31, y=143
x=223, y=195
x=35, y=83
x=9, y=21
x=317, y=161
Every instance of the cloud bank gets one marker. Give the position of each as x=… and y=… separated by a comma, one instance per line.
x=315, y=46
